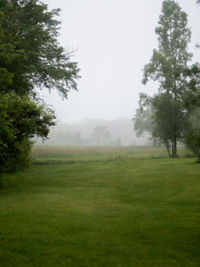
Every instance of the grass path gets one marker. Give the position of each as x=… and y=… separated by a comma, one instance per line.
x=120, y=212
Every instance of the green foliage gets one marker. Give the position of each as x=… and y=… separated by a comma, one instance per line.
x=20, y=120
x=169, y=120
x=29, y=50
x=30, y=58
x=167, y=67
x=192, y=109
x=192, y=96
x=170, y=59
x=143, y=121
x=192, y=132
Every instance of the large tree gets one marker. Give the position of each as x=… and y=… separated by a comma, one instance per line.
x=30, y=58
x=167, y=66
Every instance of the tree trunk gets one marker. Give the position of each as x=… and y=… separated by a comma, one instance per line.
x=168, y=149
x=174, y=147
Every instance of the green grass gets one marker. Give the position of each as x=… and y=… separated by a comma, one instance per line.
x=43, y=154
x=102, y=207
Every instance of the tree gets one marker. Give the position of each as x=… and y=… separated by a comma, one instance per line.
x=167, y=66
x=165, y=121
x=30, y=54
x=154, y=116
x=192, y=105
x=20, y=120
x=192, y=110
x=30, y=58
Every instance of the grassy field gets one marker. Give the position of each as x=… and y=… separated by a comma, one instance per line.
x=101, y=207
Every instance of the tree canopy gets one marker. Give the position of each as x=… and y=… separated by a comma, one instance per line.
x=30, y=54
x=20, y=120
x=31, y=58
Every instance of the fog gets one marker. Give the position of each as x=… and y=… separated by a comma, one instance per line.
x=112, y=39
x=91, y=132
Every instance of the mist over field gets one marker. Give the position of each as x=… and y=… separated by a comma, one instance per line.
x=91, y=132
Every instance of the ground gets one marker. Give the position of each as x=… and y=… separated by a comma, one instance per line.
x=101, y=207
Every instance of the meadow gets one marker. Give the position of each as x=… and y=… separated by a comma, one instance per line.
x=115, y=207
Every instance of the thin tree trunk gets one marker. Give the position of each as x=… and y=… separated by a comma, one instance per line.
x=174, y=147
x=168, y=149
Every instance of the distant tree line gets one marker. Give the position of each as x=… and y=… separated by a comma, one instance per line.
x=172, y=115
x=91, y=132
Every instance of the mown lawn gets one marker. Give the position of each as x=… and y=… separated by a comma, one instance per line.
x=112, y=208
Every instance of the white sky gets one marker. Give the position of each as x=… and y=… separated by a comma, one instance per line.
x=115, y=39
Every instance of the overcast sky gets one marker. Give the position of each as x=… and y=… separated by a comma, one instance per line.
x=114, y=39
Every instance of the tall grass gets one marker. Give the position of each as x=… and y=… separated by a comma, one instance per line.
x=43, y=154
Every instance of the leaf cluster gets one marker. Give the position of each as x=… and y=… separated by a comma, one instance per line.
x=20, y=120
x=30, y=51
